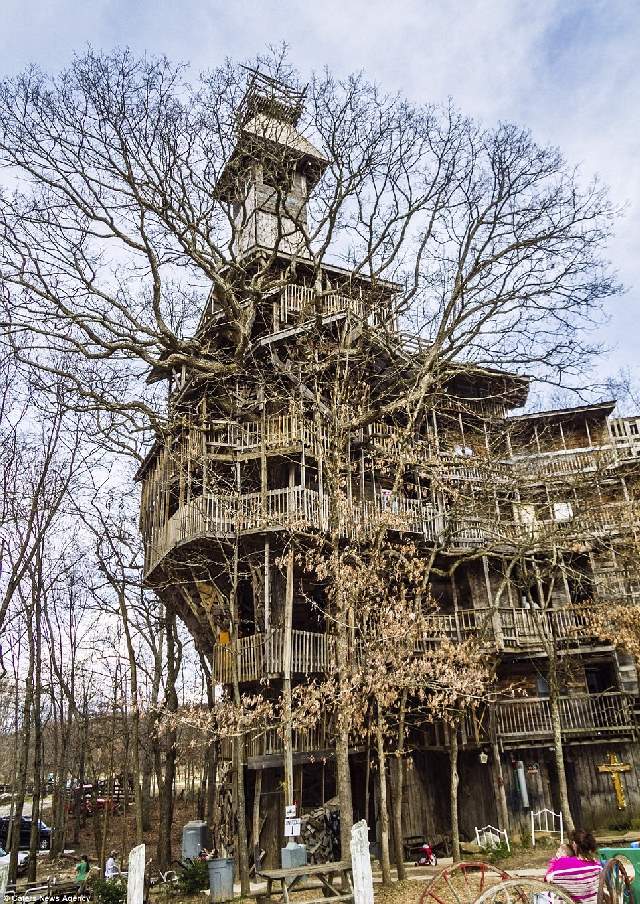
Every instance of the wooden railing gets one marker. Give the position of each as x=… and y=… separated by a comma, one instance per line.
x=222, y=516
x=269, y=743
x=563, y=462
x=302, y=300
x=625, y=432
x=262, y=655
x=591, y=714
x=397, y=513
x=533, y=627
x=275, y=432
x=616, y=585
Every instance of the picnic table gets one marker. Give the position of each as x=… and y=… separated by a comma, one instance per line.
x=288, y=881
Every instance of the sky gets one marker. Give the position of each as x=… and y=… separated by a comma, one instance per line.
x=566, y=69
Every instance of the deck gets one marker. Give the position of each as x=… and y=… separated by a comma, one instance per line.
x=261, y=655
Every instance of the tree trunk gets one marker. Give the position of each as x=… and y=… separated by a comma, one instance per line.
x=343, y=772
x=255, y=823
x=238, y=748
x=167, y=781
x=498, y=784
x=37, y=723
x=558, y=750
x=453, y=754
x=23, y=759
x=385, y=861
x=397, y=797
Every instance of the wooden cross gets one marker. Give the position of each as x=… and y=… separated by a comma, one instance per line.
x=614, y=768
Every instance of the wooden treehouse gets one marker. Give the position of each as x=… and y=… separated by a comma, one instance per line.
x=246, y=473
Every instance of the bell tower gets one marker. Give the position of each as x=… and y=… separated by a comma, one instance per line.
x=272, y=171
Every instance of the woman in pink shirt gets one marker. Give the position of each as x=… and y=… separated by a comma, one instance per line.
x=578, y=869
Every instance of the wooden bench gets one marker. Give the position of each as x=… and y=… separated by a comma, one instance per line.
x=46, y=891
x=288, y=881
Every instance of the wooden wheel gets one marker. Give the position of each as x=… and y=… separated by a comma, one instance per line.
x=615, y=882
x=462, y=883
x=524, y=891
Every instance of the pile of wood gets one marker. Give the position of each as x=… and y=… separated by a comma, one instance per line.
x=318, y=832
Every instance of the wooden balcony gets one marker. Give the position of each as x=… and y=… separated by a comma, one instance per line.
x=535, y=628
x=262, y=656
x=397, y=513
x=563, y=462
x=224, y=516
x=299, y=302
x=581, y=715
x=625, y=434
x=277, y=431
x=617, y=586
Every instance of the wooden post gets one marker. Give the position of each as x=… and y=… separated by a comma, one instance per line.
x=498, y=784
x=286, y=684
x=255, y=822
x=135, y=875
x=496, y=623
x=4, y=879
x=361, y=864
x=267, y=588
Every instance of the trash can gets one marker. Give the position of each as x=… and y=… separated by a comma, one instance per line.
x=631, y=854
x=293, y=855
x=196, y=835
x=221, y=878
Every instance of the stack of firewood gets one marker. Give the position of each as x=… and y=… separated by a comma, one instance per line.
x=321, y=833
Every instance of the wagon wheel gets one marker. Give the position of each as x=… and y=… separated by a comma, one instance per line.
x=615, y=882
x=462, y=883
x=524, y=891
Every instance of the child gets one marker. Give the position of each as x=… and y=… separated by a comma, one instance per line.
x=82, y=872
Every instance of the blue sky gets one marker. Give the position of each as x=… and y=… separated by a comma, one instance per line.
x=568, y=69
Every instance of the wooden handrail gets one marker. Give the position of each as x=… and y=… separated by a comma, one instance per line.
x=579, y=714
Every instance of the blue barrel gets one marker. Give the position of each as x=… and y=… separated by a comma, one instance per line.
x=221, y=878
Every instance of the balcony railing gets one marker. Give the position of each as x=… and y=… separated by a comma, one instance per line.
x=625, y=432
x=581, y=714
x=262, y=655
x=297, y=301
x=276, y=431
x=563, y=462
x=222, y=516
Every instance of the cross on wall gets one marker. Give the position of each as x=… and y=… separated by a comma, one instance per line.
x=614, y=768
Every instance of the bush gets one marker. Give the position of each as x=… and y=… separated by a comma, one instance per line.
x=620, y=824
x=109, y=891
x=194, y=877
x=497, y=853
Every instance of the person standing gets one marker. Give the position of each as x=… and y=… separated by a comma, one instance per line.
x=111, y=868
x=82, y=873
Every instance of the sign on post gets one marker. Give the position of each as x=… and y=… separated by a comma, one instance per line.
x=135, y=878
x=292, y=827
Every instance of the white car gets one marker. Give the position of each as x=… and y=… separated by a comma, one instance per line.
x=23, y=860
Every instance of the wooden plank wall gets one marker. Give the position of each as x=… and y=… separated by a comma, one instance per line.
x=591, y=794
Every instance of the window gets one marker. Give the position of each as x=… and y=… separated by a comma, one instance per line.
x=562, y=511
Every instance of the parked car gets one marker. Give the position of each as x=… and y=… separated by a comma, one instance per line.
x=44, y=833
x=23, y=861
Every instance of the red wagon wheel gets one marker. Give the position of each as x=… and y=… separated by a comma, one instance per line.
x=462, y=883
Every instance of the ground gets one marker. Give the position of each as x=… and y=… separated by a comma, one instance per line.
x=122, y=834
